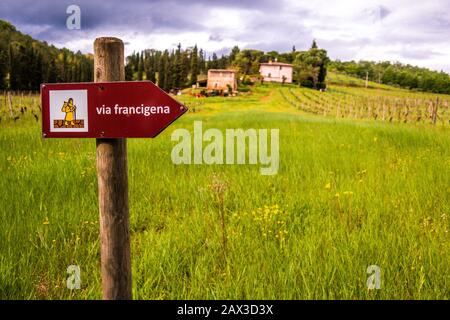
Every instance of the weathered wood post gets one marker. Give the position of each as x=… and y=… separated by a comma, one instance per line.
x=10, y=104
x=435, y=110
x=112, y=172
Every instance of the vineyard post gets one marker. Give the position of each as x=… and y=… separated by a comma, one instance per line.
x=435, y=110
x=112, y=174
x=417, y=105
x=388, y=109
x=10, y=104
x=430, y=114
x=338, y=111
x=392, y=109
x=406, y=114
x=446, y=108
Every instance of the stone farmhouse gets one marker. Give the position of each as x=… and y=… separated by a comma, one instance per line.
x=275, y=71
x=221, y=79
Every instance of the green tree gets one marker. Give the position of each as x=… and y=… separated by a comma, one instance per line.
x=140, y=69
x=213, y=64
x=247, y=61
x=162, y=82
x=149, y=65
x=311, y=67
x=194, y=65
x=233, y=54
x=4, y=65
x=177, y=68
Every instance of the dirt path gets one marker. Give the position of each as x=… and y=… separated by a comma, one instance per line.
x=268, y=98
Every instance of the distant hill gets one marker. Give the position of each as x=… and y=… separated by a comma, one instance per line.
x=335, y=78
x=25, y=63
x=394, y=74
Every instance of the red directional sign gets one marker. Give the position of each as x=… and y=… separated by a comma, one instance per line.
x=134, y=109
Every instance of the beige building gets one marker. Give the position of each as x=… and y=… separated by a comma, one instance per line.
x=220, y=79
x=275, y=71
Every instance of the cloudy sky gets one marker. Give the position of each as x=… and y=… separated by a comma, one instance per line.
x=409, y=31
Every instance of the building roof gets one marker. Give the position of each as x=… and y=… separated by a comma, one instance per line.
x=221, y=70
x=276, y=64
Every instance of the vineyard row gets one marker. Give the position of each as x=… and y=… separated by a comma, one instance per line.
x=385, y=108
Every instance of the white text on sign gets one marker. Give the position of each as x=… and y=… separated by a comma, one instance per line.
x=140, y=110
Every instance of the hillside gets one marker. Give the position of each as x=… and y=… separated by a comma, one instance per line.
x=335, y=78
x=395, y=74
x=25, y=63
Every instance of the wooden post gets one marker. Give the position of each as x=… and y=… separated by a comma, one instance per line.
x=112, y=172
x=338, y=112
x=435, y=110
x=10, y=104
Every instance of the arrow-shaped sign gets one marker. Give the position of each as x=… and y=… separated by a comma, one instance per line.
x=133, y=109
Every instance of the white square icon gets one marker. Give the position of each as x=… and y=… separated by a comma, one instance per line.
x=68, y=111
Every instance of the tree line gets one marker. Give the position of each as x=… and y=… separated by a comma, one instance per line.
x=396, y=74
x=25, y=63
x=182, y=67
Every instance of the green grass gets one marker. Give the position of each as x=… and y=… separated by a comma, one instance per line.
x=349, y=194
x=336, y=78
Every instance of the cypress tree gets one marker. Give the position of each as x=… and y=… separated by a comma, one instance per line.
x=140, y=70
x=194, y=65
x=177, y=68
x=214, y=63
x=201, y=62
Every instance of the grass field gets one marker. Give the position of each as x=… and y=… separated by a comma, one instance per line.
x=349, y=193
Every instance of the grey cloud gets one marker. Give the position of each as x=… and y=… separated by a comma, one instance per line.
x=376, y=13
x=416, y=53
x=268, y=24
x=170, y=13
x=215, y=37
x=144, y=16
x=343, y=49
x=384, y=12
